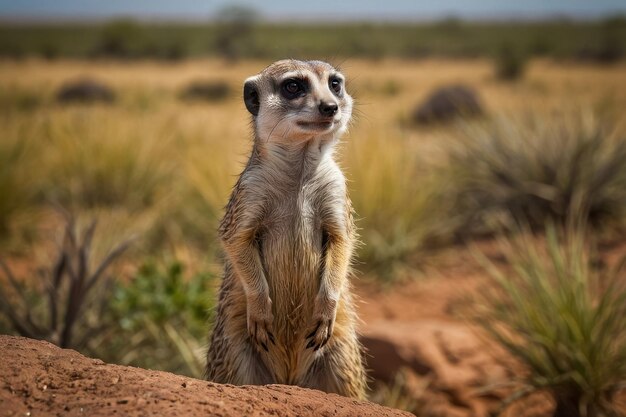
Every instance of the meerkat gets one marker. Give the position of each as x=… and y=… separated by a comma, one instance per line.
x=286, y=314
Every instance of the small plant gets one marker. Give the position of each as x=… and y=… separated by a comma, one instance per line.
x=533, y=171
x=510, y=63
x=53, y=309
x=159, y=320
x=448, y=103
x=401, y=394
x=563, y=320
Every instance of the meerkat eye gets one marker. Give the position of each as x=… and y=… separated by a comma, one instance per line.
x=335, y=85
x=293, y=89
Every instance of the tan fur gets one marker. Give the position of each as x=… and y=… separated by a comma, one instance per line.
x=285, y=313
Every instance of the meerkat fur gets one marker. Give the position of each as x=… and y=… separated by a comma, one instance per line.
x=285, y=313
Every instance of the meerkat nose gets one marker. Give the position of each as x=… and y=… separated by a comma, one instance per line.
x=328, y=109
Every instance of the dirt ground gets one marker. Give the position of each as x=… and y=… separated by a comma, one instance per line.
x=420, y=328
x=40, y=379
x=417, y=324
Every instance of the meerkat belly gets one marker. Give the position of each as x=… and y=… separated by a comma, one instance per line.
x=291, y=254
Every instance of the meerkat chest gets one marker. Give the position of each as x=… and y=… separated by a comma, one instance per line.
x=296, y=215
x=298, y=201
x=295, y=220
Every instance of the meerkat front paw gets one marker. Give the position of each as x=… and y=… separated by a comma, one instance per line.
x=260, y=320
x=323, y=323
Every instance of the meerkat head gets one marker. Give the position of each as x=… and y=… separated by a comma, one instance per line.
x=293, y=101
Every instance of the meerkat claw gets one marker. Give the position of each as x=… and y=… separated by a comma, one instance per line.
x=320, y=336
x=314, y=330
x=324, y=342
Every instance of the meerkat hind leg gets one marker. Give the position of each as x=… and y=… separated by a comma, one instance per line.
x=250, y=367
x=336, y=372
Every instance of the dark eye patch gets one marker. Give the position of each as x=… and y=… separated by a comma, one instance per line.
x=335, y=84
x=293, y=88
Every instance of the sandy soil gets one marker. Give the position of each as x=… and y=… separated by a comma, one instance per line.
x=40, y=379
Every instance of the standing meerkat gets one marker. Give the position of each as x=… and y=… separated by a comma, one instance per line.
x=286, y=313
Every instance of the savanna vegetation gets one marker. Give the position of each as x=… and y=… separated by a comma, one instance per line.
x=154, y=167
x=241, y=33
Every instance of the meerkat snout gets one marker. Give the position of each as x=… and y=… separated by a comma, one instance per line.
x=328, y=109
x=295, y=100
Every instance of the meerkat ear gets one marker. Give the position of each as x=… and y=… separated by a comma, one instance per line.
x=251, y=95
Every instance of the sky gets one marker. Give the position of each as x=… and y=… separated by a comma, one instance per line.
x=311, y=9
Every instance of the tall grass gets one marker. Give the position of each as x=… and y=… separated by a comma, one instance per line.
x=563, y=320
x=11, y=155
x=155, y=165
x=18, y=183
x=95, y=161
x=396, y=199
x=536, y=169
x=209, y=169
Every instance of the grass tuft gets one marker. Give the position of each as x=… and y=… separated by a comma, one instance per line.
x=396, y=199
x=510, y=63
x=403, y=393
x=541, y=169
x=563, y=320
x=94, y=165
x=16, y=179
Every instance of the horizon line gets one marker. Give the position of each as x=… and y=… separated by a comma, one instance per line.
x=285, y=19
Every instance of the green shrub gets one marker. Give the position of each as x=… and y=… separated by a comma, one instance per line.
x=159, y=320
x=510, y=63
x=563, y=320
x=612, y=46
x=120, y=39
x=530, y=171
x=208, y=91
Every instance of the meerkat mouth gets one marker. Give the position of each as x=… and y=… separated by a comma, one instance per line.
x=315, y=125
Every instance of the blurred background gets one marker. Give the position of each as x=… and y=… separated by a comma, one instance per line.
x=486, y=164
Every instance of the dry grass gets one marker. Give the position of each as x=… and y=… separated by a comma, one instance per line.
x=535, y=169
x=168, y=165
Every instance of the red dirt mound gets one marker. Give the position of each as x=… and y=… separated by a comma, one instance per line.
x=38, y=378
